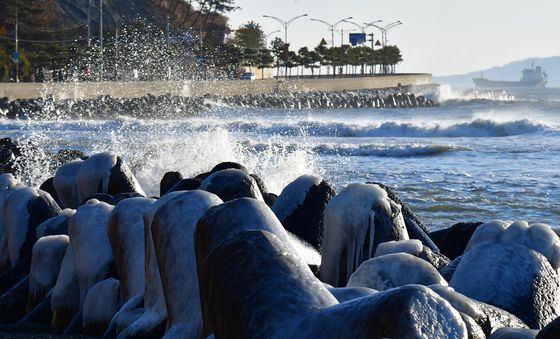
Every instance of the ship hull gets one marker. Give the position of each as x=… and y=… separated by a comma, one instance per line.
x=485, y=83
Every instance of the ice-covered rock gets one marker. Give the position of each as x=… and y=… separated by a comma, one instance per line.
x=105, y=173
x=100, y=304
x=255, y=286
x=489, y=318
x=301, y=205
x=126, y=236
x=513, y=277
x=357, y=220
x=66, y=184
x=23, y=210
x=394, y=270
x=538, y=237
x=65, y=298
x=514, y=333
x=413, y=247
x=46, y=260
x=93, y=256
x=151, y=321
x=173, y=230
x=229, y=184
x=55, y=225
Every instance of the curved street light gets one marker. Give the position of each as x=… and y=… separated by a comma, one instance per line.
x=268, y=35
x=385, y=29
x=365, y=25
x=284, y=23
x=332, y=27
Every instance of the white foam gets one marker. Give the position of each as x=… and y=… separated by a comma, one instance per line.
x=294, y=195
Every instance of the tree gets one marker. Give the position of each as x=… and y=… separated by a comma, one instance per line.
x=392, y=57
x=265, y=60
x=278, y=52
x=249, y=35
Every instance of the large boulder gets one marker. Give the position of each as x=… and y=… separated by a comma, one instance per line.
x=357, y=220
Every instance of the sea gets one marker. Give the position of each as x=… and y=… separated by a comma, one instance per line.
x=478, y=156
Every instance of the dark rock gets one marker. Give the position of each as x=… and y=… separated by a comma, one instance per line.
x=169, y=180
x=452, y=241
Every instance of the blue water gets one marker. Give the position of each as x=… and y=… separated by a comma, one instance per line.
x=467, y=160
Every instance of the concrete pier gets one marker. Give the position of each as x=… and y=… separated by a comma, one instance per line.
x=88, y=90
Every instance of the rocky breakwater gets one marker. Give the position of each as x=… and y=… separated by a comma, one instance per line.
x=171, y=106
x=400, y=97
x=217, y=254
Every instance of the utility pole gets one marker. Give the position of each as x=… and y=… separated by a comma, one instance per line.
x=89, y=24
x=17, y=46
x=167, y=29
x=101, y=36
x=101, y=25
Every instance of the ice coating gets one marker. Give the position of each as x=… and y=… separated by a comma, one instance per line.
x=46, y=261
x=305, y=251
x=517, y=333
x=513, y=277
x=66, y=291
x=487, y=316
x=411, y=311
x=155, y=311
x=7, y=183
x=173, y=231
x=87, y=230
x=126, y=235
x=66, y=184
x=538, y=237
x=293, y=195
x=350, y=229
x=101, y=303
x=394, y=270
x=16, y=220
x=231, y=184
x=53, y=224
x=94, y=174
x=411, y=246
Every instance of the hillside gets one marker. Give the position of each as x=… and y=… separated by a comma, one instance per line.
x=47, y=19
x=511, y=71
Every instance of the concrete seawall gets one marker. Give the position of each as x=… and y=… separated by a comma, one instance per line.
x=88, y=90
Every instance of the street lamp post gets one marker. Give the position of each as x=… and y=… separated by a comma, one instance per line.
x=285, y=24
x=364, y=26
x=268, y=35
x=332, y=27
x=385, y=29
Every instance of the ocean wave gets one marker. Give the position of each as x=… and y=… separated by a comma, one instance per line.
x=353, y=150
x=394, y=129
x=393, y=151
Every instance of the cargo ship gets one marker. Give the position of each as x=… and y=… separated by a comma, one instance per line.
x=532, y=77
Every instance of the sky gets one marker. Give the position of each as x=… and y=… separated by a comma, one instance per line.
x=442, y=37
